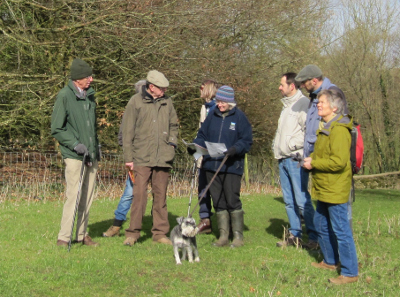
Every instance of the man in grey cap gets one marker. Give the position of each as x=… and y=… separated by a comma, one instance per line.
x=149, y=139
x=311, y=78
x=73, y=124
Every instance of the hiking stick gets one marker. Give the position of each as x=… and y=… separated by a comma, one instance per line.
x=78, y=198
x=209, y=184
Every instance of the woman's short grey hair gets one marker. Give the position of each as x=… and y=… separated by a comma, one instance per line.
x=231, y=105
x=335, y=100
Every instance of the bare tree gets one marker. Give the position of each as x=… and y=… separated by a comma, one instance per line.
x=245, y=43
x=364, y=62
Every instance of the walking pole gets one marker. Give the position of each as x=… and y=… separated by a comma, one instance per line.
x=78, y=198
x=209, y=184
x=192, y=184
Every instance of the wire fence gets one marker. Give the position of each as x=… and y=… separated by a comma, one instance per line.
x=40, y=175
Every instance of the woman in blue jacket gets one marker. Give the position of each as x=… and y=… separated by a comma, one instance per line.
x=229, y=125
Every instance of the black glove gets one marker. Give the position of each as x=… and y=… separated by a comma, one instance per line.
x=231, y=151
x=190, y=150
x=81, y=149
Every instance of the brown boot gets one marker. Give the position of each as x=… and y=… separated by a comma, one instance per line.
x=223, y=227
x=130, y=241
x=112, y=231
x=204, y=226
x=62, y=243
x=341, y=280
x=291, y=240
x=323, y=265
x=88, y=241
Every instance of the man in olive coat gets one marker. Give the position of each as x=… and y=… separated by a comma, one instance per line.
x=73, y=124
x=149, y=137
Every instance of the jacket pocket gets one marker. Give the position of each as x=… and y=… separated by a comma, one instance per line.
x=167, y=153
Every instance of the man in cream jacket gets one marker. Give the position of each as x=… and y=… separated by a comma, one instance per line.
x=288, y=143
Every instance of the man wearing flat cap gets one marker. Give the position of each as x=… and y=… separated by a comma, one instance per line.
x=149, y=136
x=311, y=78
x=73, y=124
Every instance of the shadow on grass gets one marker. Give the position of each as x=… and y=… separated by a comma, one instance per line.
x=276, y=227
x=97, y=228
x=279, y=199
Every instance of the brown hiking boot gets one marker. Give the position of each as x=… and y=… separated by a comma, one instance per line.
x=341, y=279
x=291, y=240
x=130, y=241
x=62, y=243
x=163, y=240
x=323, y=265
x=88, y=241
x=112, y=231
x=204, y=226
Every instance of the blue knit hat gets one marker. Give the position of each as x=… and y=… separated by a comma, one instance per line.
x=226, y=94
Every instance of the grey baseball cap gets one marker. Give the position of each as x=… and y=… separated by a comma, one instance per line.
x=308, y=72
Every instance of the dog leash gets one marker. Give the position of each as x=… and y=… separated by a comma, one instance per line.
x=209, y=184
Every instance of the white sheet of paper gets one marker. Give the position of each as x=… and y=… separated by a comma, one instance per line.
x=199, y=149
x=216, y=149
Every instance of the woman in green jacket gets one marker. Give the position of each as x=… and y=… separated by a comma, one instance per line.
x=331, y=183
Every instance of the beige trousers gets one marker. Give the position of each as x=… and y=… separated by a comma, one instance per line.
x=72, y=174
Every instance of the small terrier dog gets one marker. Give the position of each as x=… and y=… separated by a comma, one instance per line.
x=183, y=236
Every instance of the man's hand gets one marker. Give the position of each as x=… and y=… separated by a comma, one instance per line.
x=190, y=150
x=81, y=149
x=231, y=151
x=307, y=163
x=129, y=165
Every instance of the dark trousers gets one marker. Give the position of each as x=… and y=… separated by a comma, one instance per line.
x=205, y=203
x=159, y=181
x=225, y=191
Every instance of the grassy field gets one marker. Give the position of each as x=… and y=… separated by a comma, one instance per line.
x=32, y=265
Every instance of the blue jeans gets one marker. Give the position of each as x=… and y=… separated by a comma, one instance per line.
x=125, y=202
x=294, y=183
x=205, y=203
x=335, y=237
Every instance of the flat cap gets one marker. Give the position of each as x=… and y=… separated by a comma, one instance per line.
x=157, y=78
x=308, y=72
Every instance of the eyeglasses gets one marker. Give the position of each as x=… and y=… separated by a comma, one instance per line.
x=161, y=89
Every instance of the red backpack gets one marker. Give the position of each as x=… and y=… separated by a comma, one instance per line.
x=356, y=149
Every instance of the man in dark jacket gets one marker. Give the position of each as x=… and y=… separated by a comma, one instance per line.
x=73, y=124
x=149, y=138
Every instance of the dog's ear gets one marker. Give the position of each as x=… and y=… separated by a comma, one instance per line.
x=179, y=220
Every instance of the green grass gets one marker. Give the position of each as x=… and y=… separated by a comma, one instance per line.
x=32, y=265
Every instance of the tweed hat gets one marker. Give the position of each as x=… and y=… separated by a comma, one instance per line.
x=308, y=72
x=80, y=69
x=226, y=94
x=157, y=78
